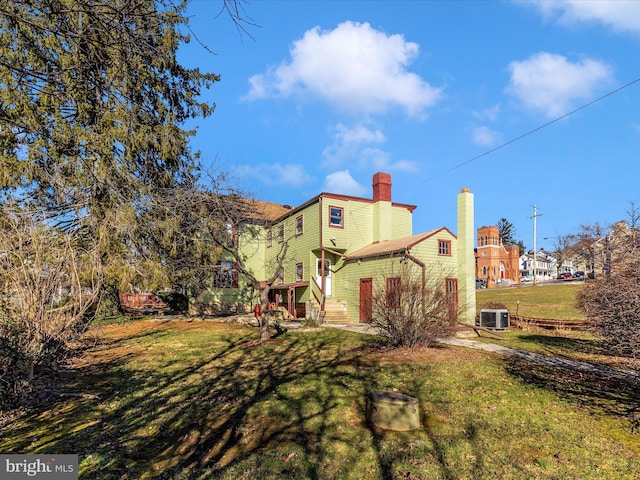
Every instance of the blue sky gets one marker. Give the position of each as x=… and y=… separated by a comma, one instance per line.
x=323, y=94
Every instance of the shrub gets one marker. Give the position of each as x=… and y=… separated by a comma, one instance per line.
x=49, y=286
x=612, y=304
x=494, y=305
x=411, y=310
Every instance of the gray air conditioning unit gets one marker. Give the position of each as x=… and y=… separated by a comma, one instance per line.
x=493, y=318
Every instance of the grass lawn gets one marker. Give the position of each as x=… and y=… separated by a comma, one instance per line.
x=555, y=301
x=200, y=399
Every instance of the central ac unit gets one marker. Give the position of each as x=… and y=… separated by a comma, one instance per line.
x=493, y=318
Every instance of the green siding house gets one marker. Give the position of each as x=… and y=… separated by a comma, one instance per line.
x=339, y=247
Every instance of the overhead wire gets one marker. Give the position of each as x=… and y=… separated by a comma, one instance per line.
x=530, y=132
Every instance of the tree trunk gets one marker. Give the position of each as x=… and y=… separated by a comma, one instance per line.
x=264, y=315
x=264, y=327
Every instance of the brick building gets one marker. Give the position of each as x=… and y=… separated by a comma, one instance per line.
x=496, y=263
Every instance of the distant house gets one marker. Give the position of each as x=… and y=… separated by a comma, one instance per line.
x=611, y=249
x=339, y=247
x=496, y=263
x=543, y=265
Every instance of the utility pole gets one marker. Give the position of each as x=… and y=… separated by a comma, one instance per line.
x=535, y=258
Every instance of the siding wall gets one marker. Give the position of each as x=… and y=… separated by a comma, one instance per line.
x=439, y=268
x=360, y=221
x=299, y=248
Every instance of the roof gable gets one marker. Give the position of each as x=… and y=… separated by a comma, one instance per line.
x=397, y=245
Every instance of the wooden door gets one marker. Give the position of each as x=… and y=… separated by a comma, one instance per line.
x=366, y=300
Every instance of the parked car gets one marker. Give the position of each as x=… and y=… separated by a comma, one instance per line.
x=565, y=276
x=579, y=275
x=481, y=283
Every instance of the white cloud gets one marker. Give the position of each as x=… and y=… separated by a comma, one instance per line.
x=354, y=67
x=342, y=182
x=490, y=114
x=551, y=84
x=348, y=143
x=357, y=145
x=620, y=15
x=277, y=174
x=485, y=136
x=374, y=158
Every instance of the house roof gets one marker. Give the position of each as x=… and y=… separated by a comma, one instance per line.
x=397, y=245
x=270, y=211
x=253, y=211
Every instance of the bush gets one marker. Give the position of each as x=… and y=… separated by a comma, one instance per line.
x=49, y=286
x=612, y=304
x=493, y=305
x=409, y=310
x=14, y=367
x=177, y=302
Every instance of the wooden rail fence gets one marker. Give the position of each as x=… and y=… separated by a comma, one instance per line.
x=577, y=324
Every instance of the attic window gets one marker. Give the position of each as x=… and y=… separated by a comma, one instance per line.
x=444, y=247
x=336, y=217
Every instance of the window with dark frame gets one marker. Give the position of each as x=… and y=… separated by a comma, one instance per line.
x=280, y=233
x=336, y=217
x=225, y=275
x=444, y=247
x=393, y=292
x=299, y=225
x=269, y=238
x=299, y=272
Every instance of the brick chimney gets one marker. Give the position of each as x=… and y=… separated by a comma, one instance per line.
x=382, y=187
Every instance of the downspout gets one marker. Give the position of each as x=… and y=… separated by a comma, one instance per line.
x=322, y=284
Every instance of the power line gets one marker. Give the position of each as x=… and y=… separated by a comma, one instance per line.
x=530, y=132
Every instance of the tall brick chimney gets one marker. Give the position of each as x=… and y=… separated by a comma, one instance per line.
x=382, y=187
x=382, y=227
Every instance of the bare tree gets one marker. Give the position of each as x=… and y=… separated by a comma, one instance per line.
x=585, y=244
x=219, y=220
x=49, y=286
x=411, y=307
x=612, y=303
x=563, y=248
x=634, y=225
x=244, y=224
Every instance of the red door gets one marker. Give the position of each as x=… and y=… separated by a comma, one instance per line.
x=366, y=305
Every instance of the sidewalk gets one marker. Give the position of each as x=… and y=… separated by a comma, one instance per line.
x=602, y=370
x=610, y=372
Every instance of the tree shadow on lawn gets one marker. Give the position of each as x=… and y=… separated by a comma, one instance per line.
x=591, y=391
x=558, y=343
x=229, y=411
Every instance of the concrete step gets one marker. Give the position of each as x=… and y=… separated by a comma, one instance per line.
x=335, y=313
